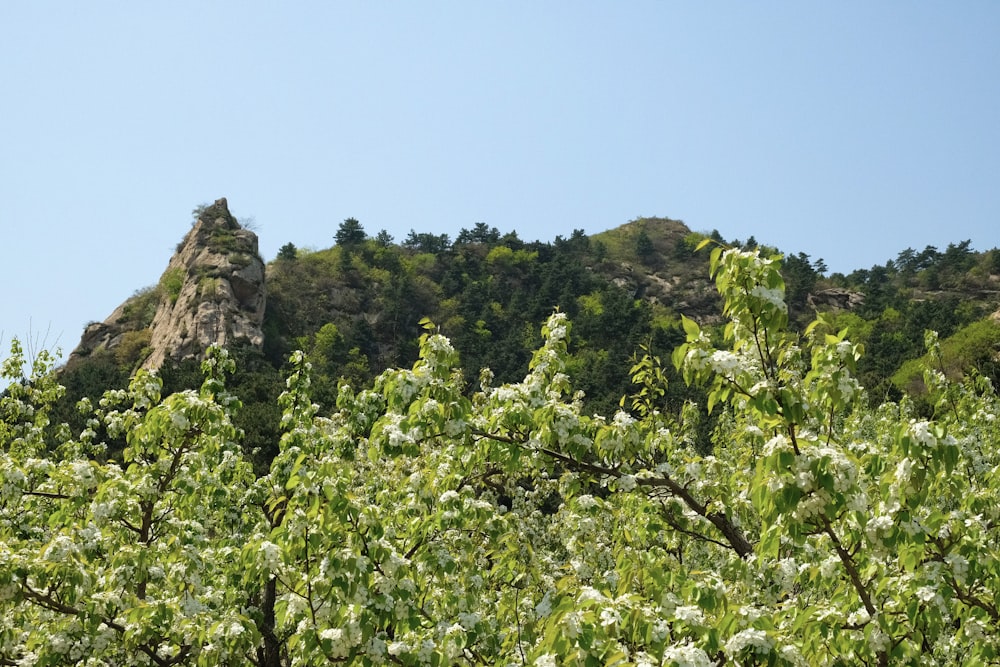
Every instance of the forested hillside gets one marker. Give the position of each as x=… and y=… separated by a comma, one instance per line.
x=356, y=309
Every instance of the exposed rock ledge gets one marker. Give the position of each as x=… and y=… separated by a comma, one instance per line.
x=212, y=292
x=836, y=298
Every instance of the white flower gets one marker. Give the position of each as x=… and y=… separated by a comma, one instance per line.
x=271, y=554
x=610, y=616
x=805, y=480
x=686, y=655
x=778, y=443
x=879, y=524
x=643, y=659
x=447, y=497
x=786, y=572
x=546, y=660
x=179, y=421
x=771, y=295
x=903, y=470
x=84, y=473
x=626, y=482
x=333, y=634
x=858, y=617
x=583, y=569
x=544, y=607
x=959, y=566
x=829, y=566
x=468, y=620
x=395, y=648
x=59, y=642
x=922, y=433
x=878, y=640
x=59, y=549
x=339, y=644
x=689, y=614
x=589, y=594
x=974, y=629
x=757, y=639
x=724, y=362
x=571, y=624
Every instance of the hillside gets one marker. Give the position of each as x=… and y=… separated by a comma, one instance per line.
x=356, y=309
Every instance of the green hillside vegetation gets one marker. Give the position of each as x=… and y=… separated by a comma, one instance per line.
x=917, y=292
x=356, y=309
x=973, y=349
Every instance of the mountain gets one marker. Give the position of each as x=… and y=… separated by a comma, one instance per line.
x=359, y=307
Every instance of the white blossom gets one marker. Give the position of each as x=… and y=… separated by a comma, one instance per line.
x=272, y=555
x=686, y=655
x=757, y=639
x=691, y=614
x=724, y=362
x=546, y=660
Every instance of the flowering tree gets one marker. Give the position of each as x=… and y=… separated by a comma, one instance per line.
x=424, y=524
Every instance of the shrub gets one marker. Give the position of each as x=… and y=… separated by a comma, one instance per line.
x=140, y=309
x=172, y=281
x=133, y=348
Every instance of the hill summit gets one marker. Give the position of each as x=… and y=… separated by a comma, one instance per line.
x=211, y=293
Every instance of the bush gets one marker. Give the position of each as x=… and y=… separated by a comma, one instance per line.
x=140, y=309
x=172, y=281
x=133, y=348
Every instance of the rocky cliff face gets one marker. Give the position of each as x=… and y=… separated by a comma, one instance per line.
x=212, y=292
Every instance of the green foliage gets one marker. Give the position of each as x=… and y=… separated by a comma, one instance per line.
x=288, y=252
x=800, y=276
x=198, y=211
x=419, y=522
x=427, y=243
x=973, y=348
x=172, y=281
x=224, y=240
x=133, y=348
x=208, y=286
x=350, y=233
x=480, y=233
x=644, y=247
x=139, y=310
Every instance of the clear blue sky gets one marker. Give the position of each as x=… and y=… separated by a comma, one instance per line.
x=847, y=130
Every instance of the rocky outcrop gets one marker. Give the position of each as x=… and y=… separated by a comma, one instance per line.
x=212, y=292
x=835, y=298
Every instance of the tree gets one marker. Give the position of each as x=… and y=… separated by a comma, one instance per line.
x=419, y=523
x=800, y=275
x=644, y=247
x=288, y=252
x=480, y=233
x=994, y=261
x=428, y=243
x=350, y=233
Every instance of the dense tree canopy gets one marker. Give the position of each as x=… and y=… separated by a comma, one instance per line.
x=423, y=523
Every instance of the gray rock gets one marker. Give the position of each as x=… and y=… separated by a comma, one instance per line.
x=835, y=298
x=212, y=292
